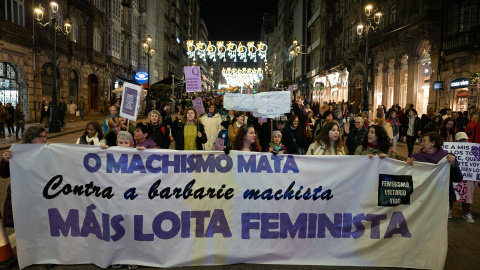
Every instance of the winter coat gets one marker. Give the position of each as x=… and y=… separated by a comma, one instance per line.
x=321, y=149
x=72, y=108
x=3, y=113
x=7, y=207
x=369, y=150
x=160, y=135
x=287, y=139
x=212, y=127
x=63, y=108
x=417, y=126
x=354, y=139
x=473, y=132
x=11, y=112
x=180, y=139
x=19, y=117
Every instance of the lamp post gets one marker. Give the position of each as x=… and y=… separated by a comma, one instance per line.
x=372, y=21
x=149, y=52
x=55, y=125
x=294, y=52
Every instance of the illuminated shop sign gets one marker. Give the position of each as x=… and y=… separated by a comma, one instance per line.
x=459, y=83
x=438, y=85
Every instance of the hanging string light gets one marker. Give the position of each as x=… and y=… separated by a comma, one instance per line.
x=231, y=51
x=243, y=76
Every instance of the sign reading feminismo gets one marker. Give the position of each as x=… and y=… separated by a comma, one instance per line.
x=460, y=83
x=165, y=208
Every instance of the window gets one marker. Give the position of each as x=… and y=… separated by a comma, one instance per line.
x=99, y=4
x=14, y=11
x=97, y=40
x=75, y=31
x=393, y=12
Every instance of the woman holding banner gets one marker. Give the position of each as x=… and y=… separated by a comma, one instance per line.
x=190, y=134
x=245, y=139
x=211, y=120
x=376, y=143
x=328, y=142
x=432, y=152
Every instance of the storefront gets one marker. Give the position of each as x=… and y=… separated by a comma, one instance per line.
x=460, y=93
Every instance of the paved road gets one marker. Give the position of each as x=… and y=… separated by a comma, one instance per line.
x=463, y=238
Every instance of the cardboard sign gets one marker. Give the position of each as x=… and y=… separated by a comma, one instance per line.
x=130, y=101
x=219, y=143
x=198, y=106
x=193, y=79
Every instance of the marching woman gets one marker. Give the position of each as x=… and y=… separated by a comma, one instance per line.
x=93, y=134
x=448, y=130
x=238, y=121
x=328, y=142
x=190, y=134
x=293, y=137
x=245, y=139
x=159, y=133
x=376, y=143
x=432, y=152
x=211, y=120
x=114, y=124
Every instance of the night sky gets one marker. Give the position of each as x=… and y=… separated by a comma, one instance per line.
x=230, y=20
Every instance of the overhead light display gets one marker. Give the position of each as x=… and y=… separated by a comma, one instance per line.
x=231, y=51
x=243, y=76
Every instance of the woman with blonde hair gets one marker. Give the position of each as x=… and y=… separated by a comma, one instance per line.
x=160, y=134
x=328, y=141
x=190, y=134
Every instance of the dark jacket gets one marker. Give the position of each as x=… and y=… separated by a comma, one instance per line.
x=180, y=139
x=354, y=139
x=7, y=207
x=111, y=138
x=287, y=139
x=160, y=134
x=62, y=108
x=417, y=126
x=166, y=118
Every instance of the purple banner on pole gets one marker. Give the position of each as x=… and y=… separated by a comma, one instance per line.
x=193, y=79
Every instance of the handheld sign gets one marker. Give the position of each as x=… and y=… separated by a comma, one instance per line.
x=130, y=101
x=198, y=106
x=193, y=79
x=219, y=143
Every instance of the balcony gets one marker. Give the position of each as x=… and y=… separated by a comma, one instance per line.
x=466, y=41
x=125, y=62
x=16, y=33
x=77, y=49
x=96, y=57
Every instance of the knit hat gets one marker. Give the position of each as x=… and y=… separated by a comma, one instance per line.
x=225, y=124
x=277, y=132
x=461, y=135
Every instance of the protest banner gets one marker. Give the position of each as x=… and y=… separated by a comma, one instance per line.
x=130, y=101
x=165, y=208
x=227, y=101
x=243, y=102
x=198, y=106
x=468, y=158
x=193, y=79
x=272, y=104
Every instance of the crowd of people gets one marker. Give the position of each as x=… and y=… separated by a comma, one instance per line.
x=309, y=129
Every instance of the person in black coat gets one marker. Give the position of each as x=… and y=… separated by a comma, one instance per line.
x=160, y=133
x=356, y=135
x=190, y=134
x=412, y=128
x=292, y=134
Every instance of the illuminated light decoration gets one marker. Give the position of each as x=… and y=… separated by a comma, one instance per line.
x=252, y=51
x=221, y=50
x=262, y=51
x=242, y=52
x=240, y=77
x=211, y=51
x=231, y=51
x=201, y=47
x=191, y=50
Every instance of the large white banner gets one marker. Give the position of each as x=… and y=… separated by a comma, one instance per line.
x=76, y=204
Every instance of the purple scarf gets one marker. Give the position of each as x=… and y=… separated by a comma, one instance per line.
x=430, y=158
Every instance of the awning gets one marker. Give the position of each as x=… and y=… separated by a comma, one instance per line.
x=127, y=80
x=168, y=81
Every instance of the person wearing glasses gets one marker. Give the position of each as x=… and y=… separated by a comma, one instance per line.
x=33, y=134
x=356, y=135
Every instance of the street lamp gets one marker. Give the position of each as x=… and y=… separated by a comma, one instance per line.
x=149, y=52
x=294, y=52
x=373, y=19
x=55, y=125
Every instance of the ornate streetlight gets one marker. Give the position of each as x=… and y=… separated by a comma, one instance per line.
x=294, y=52
x=373, y=19
x=149, y=52
x=55, y=125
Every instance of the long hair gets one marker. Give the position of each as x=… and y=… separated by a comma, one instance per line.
x=442, y=130
x=382, y=138
x=196, y=120
x=323, y=137
x=238, y=142
x=97, y=128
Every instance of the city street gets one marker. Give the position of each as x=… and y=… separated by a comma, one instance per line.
x=463, y=244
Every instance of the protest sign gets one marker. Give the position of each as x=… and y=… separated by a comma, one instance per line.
x=273, y=104
x=193, y=79
x=243, y=102
x=198, y=106
x=130, y=101
x=227, y=101
x=219, y=142
x=468, y=158
x=166, y=208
